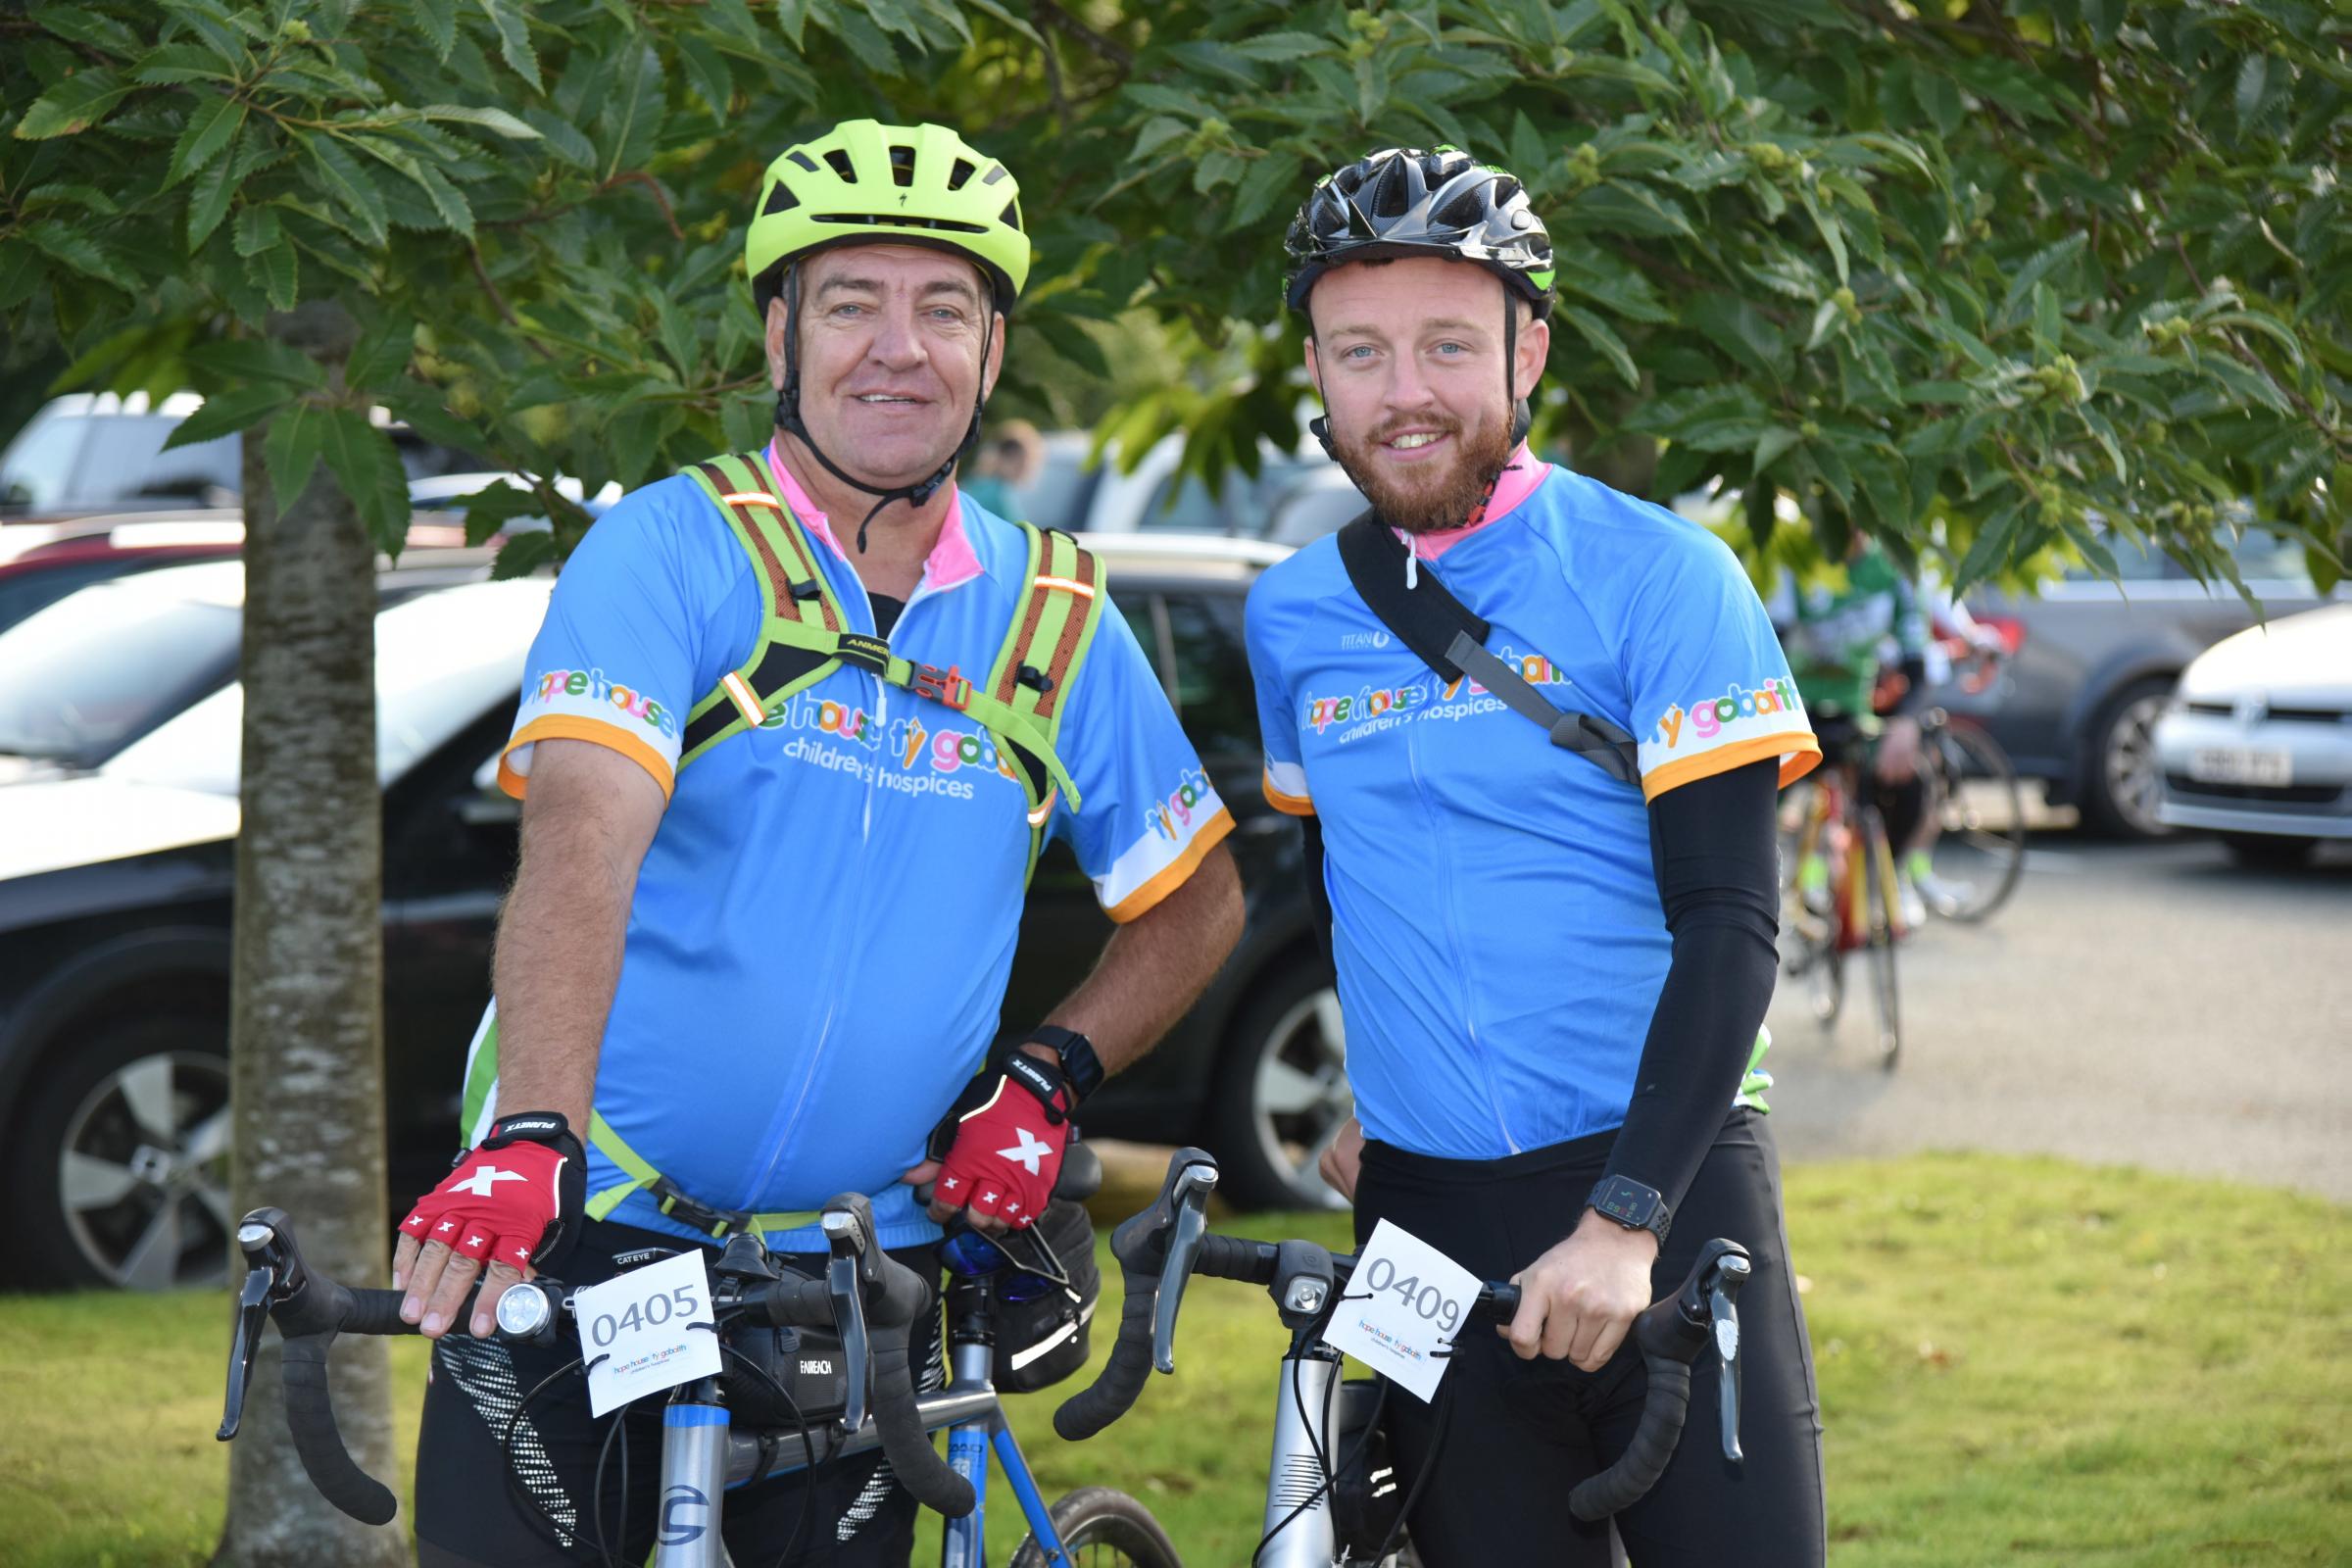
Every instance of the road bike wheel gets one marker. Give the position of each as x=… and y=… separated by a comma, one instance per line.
x=1878, y=882
x=1101, y=1528
x=1979, y=848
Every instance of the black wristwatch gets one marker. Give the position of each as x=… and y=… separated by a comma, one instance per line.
x=1081, y=1068
x=1631, y=1205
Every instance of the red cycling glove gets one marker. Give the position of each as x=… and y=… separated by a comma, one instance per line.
x=514, y=1199
x=1005, y=1139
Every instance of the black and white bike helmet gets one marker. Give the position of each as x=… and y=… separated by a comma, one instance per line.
x=1401, y=201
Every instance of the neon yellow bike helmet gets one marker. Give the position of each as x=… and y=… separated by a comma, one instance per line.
x=864, y=182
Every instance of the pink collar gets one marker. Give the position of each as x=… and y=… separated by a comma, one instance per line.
x=1520, y=477
x=951, y=559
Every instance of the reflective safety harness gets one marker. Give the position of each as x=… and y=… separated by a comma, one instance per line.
x=802, y=639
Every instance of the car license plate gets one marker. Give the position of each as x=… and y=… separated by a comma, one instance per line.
x=2241, y=765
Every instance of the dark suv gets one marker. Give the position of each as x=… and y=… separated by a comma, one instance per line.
x=116, y=919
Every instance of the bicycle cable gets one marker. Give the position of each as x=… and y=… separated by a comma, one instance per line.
x=1323, y=1487
x=1429, y=1465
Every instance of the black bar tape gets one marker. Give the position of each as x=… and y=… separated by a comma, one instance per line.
x=1646, y=1458
x=318, y=1442
x=1237, y=1258
x=366, y=1312
x=1111, y=1394
x=933, y=1482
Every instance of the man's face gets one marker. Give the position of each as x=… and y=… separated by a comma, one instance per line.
x=1409, y=356
x=891, y=348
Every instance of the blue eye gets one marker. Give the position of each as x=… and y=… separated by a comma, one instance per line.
x=1360, y=351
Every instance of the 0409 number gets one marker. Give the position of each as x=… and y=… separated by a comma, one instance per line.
x=1428, y=1300
x=652, y=1313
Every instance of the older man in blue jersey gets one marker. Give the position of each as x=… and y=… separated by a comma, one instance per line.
x=1553, y=973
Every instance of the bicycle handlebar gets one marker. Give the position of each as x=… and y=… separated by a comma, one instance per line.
x=1160, y=1248
x=869, y=1297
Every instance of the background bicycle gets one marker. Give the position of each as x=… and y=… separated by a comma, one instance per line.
x=1840, y=890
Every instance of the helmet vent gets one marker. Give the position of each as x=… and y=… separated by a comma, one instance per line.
x=995, y=171
x=780, y=200
x=902, y=167
x=802, y=158
x=841, y=166
x=897, y=220
x=1463, y=211
x=962, y=169
x=1010, y=216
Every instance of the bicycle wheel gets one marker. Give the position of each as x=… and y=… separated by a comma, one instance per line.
x=1980, y=816
x=1102, y=1527
x=1879, y=882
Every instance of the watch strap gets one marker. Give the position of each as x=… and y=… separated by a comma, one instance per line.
x=1081, y=1068
x=1631, y=1204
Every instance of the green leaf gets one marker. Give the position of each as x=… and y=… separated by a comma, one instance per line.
x=491, y=119
x=522, y=555
x=179, y=63
x=707, y=69
x=1761, y=507
x=2048, y=322
x=279, y=272
x=2253, y=81
x=1603, y=340
x=422, y=409
x=68, y=244
x=210, y=128
x=515, y=42
x=238, y=360
x=437, y=19
x=1157, y=132
x=85, y=24
x=353, y=188
x=362, y=457
x=1074, y=344
x=1938, y=97
x=228, y=413
x=1832, y=232
x=257, y=228
x=1268, y=181
x=74, y=105
x=208, y=196
x=2093, y=551
x=1769, y=447
x=1278, y=47
x=380, y=357
x=1989, y=549
x=565, y=139
x=2043, y=262
x=292, y=448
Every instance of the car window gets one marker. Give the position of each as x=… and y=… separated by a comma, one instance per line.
x=2268, y=558
x=1239, y=503
x=83, y=678
x=39, y=467
x=1058, y=496
x=2133, y=563
x=1213, y=695
x=27, y=591
x=1186, y=508
x=210, y=471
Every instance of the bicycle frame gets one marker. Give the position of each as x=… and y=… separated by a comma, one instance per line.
x=703, y=1458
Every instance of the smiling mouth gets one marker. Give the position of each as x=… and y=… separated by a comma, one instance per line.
x=886, y=399
x=1413, y=441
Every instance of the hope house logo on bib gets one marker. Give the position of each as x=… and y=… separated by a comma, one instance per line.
x=1708, y=720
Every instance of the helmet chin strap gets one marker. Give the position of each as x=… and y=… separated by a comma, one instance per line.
x=788, y=418
x=1523, y=417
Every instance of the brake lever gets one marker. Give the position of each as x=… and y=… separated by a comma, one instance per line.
x=1730, y=1271
x=1190, y=1197
x=245, y=1338
x=849, y=1234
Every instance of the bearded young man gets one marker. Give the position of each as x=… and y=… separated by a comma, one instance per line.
x=1553, y=970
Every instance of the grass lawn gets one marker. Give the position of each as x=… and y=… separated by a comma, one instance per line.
x=2022, y=1361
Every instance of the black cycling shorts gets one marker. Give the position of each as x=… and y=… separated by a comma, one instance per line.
x=471, y=1508
x=1521, y=1433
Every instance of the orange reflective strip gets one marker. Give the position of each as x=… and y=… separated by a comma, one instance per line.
x=1044, y=807
x=740, y=695
x=751, y=498
x=1081, y=589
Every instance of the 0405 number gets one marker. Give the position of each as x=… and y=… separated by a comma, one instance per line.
x=1431, y=1302
x=651, y=1313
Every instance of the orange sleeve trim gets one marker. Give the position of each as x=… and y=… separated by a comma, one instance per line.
x=1172, y=875
x=567, y=727
x=1804, y=754
x=1287, y=805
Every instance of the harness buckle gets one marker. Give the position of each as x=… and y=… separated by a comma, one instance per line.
x=947, y=687
x=718, y=1223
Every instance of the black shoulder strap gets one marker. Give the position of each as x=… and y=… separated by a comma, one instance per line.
x=1450, y=640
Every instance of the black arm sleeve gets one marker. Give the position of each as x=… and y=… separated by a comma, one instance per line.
x=1711, y=846
x=1914, y=669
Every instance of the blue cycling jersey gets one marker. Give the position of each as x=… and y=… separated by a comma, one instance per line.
x=823, y=928
x=1497, y=929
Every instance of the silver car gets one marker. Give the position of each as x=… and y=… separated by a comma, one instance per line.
x=2257, y=743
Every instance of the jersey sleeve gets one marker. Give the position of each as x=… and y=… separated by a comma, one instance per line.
x=619, y=659
x=1709, y=687
x=1147, y=813
x=1285, y=781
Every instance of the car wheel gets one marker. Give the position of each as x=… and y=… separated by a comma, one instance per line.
x=2268, y=852
x=2124, y=780
x=124, y=1159
x=1282, y=1093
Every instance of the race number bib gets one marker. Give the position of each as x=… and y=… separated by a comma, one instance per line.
x=1401, y=1309
x=638, y=1333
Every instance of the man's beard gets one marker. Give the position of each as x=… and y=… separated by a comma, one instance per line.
x=1419, y=502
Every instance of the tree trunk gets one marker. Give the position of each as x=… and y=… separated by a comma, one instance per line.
x=307, y=1013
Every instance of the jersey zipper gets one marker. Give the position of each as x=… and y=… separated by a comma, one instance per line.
x=1453, y=936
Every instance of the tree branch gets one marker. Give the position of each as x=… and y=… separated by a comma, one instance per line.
x=1111, y=49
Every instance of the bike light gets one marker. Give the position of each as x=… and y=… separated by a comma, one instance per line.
x=523, y=1311
x=1305, y=1296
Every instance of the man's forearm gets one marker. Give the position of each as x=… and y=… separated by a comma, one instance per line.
x=1156, y=965
x=559, y=940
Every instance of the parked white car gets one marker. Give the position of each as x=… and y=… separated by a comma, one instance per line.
x=2257, y=742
